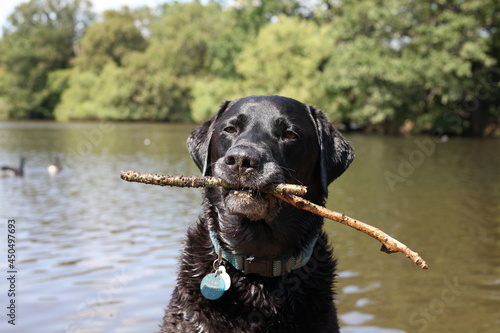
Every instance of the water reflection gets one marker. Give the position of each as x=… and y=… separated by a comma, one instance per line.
x=97, y=254
x=447, y=210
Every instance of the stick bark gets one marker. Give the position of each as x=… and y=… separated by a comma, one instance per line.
x=204, y=181
x=288, y=193
x=389, y=244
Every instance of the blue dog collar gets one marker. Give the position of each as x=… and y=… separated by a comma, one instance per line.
x=263, y=267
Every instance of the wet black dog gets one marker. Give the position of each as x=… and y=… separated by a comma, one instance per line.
x=280, y=267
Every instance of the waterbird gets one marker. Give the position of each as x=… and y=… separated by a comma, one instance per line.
x=55, y=166
x=8, y=171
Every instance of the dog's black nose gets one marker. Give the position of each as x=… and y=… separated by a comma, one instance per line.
x=241, y=159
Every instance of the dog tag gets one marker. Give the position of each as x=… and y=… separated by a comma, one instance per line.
x=227, y=279
x=213, y=286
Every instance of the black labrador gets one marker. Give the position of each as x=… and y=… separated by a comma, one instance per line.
x=253, y=263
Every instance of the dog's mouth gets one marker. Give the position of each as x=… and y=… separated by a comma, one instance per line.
x=250, y=203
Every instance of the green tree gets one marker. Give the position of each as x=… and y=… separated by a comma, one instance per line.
x=253, y=15
x=242, y=23
x=253, y=55
x=286, y=58
x=378, y=65
x=143, y=93
x=400, y=61
x=111, y=40
x=184, y=33
x=156, y=83
x=38, y=39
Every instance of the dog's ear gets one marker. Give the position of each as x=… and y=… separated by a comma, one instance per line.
x=198, y=142
x=336, y=153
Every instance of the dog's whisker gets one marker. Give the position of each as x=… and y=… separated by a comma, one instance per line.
x=289, y=172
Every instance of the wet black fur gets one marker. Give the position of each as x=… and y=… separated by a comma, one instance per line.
x=300, y=301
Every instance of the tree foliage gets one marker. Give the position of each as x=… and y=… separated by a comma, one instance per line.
x=39, y=39
x=385, y=66
x=110, y=40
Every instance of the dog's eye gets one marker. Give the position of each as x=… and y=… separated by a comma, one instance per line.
x=230, y=129
x=290, y=135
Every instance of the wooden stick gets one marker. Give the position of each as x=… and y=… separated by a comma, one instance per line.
x=389, y=244
x=285, y=192
x=201, y=181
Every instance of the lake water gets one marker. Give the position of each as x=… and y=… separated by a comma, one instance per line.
x=98, y=254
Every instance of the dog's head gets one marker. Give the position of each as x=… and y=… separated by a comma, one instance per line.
x=258, y=140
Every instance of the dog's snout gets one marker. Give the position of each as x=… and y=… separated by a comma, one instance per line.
x=241, y=159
